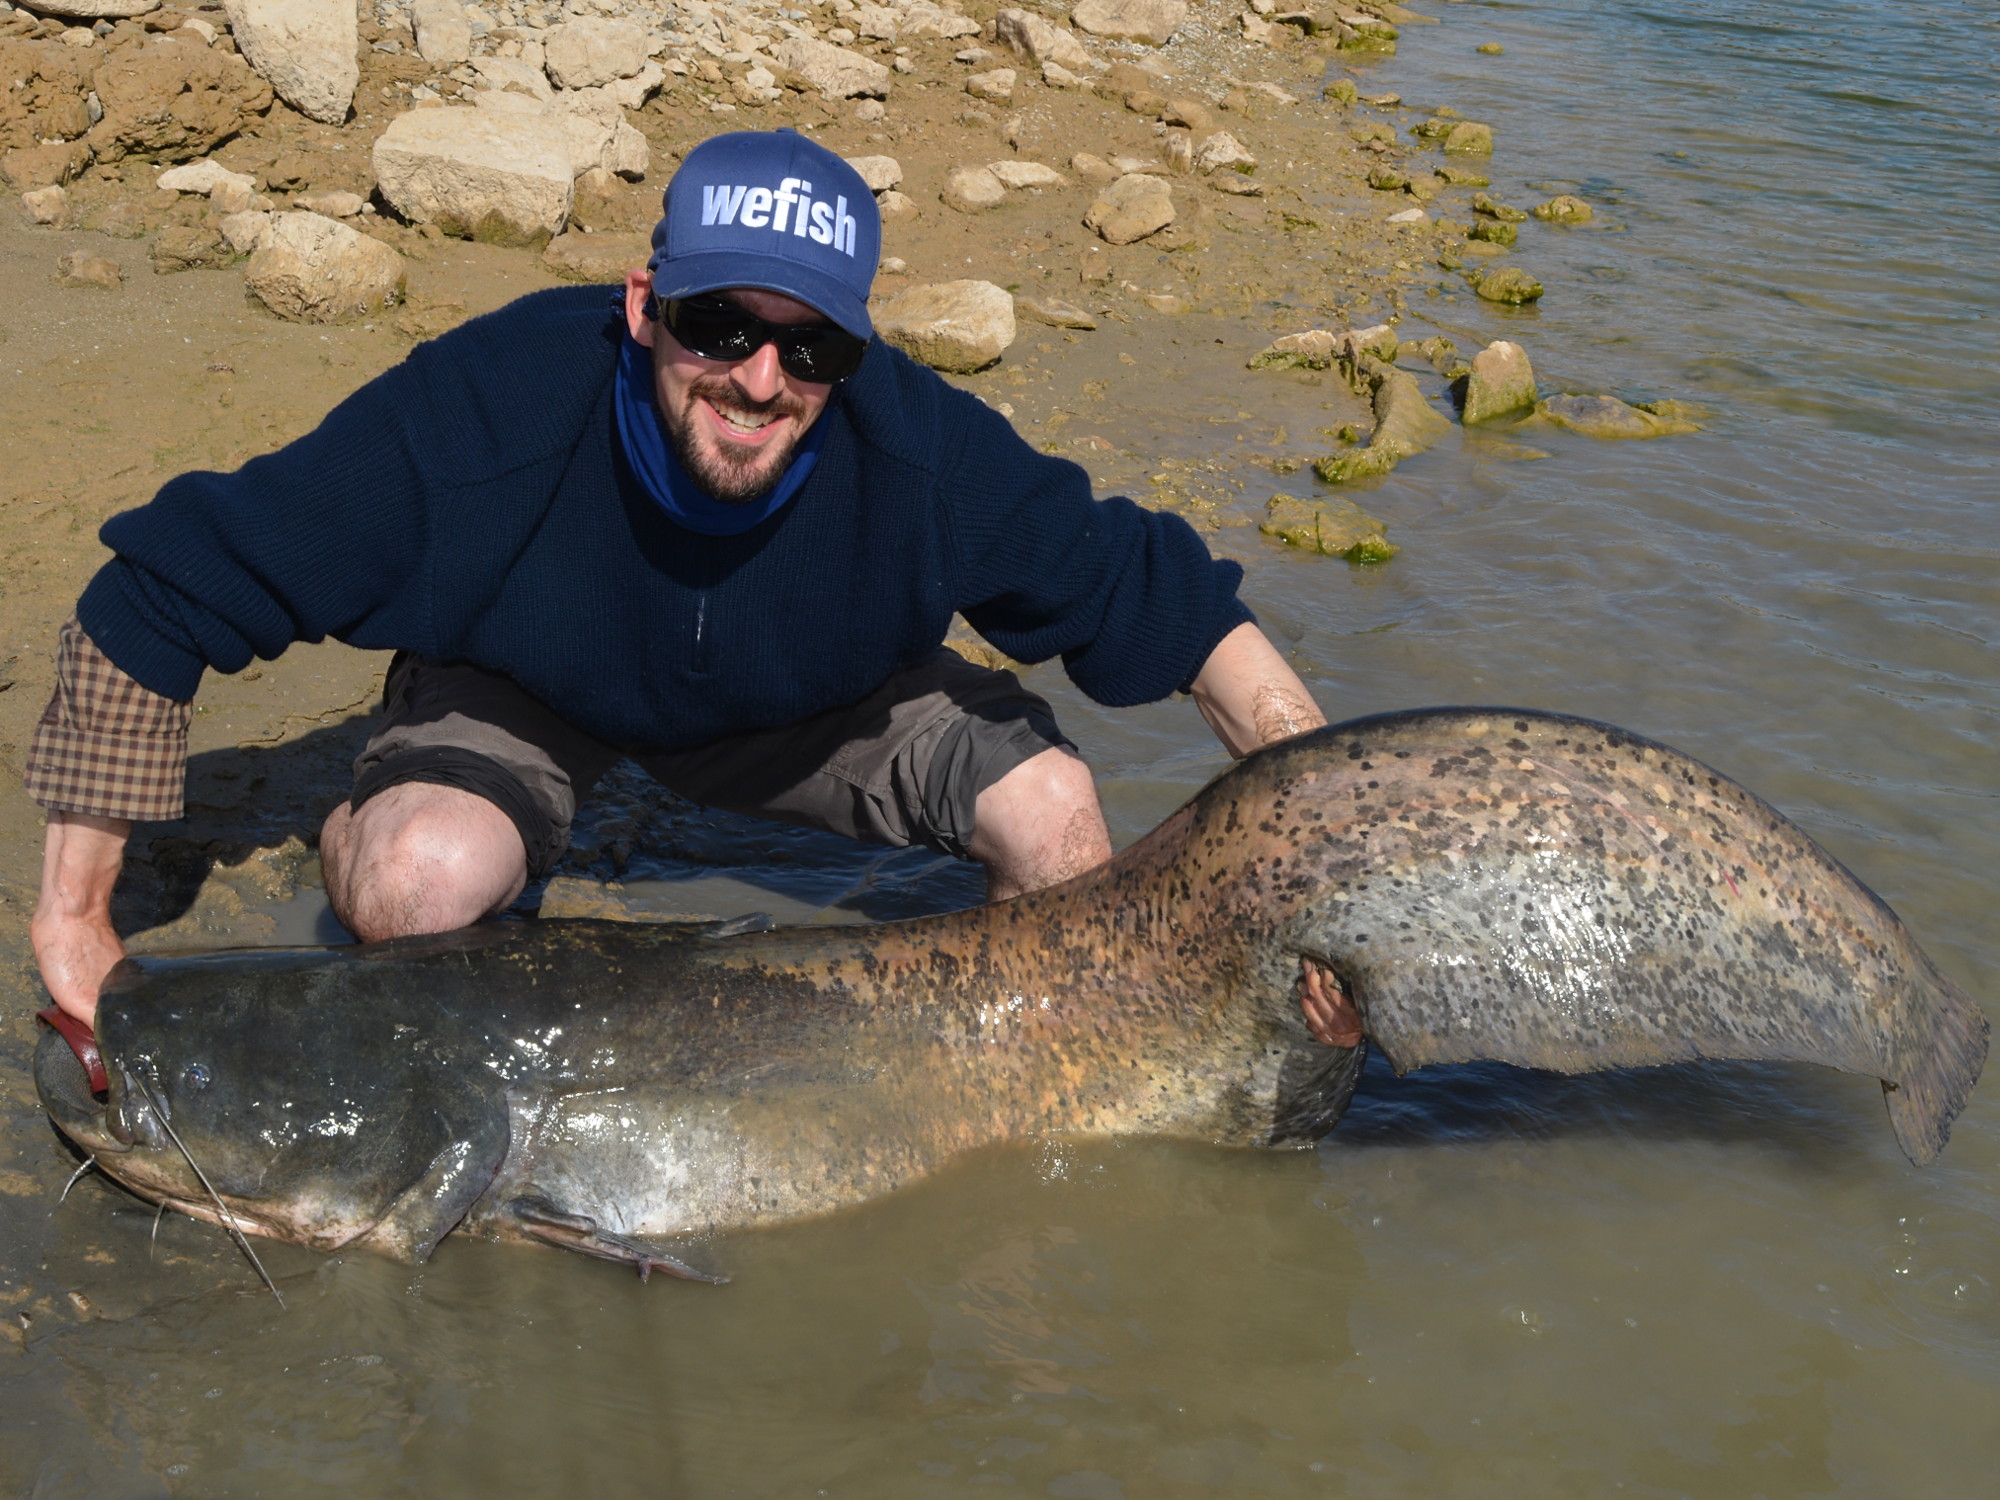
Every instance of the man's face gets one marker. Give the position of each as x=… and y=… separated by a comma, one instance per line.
x=734, y=423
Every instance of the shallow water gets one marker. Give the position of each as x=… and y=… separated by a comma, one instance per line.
x=1711, y=1281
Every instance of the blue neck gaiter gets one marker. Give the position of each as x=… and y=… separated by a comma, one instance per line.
x=658, y=467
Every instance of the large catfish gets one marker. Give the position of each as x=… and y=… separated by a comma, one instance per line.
x=1484, y=883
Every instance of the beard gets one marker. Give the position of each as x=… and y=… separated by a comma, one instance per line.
x=732, y=476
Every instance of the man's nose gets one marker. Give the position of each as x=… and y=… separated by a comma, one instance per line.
x=759, y=378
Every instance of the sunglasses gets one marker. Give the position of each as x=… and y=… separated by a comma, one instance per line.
x=716, y=329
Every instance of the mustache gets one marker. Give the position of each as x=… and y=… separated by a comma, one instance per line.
x=721, y=391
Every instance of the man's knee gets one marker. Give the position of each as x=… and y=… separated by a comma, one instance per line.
x=418, y=857
x=1040, y=824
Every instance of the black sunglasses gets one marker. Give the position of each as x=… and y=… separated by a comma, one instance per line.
x=716, y=329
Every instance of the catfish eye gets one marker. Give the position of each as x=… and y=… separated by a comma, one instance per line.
x=196, y=1077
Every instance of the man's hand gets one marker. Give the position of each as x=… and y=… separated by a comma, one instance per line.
x=1249, y=696
x=71, y=929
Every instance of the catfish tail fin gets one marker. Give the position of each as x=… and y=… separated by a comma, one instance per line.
x=1939, y=1080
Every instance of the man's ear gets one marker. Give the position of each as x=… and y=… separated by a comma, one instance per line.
x=638, y=291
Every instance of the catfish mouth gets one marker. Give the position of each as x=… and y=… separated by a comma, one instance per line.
x=63, y=1083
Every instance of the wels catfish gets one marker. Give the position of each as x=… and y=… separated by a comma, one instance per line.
x=1480, y=883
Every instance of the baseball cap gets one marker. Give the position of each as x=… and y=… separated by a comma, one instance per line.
x=775, y=211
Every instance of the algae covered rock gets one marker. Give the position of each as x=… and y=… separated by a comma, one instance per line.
x=1493, y=232
x=1318, y=348
x=1608, y=417
x=1405, y=423
x=1327, y=528
x=1469, y=138
x=1500, y=382
x=1564, y=209
x=1509, y=285
x=1493, y=208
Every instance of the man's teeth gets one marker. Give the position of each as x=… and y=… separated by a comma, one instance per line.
x=744, y=421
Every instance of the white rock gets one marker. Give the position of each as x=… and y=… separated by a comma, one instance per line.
x=589, y=52
x=1152, y=21
x=1056, y=76
x=202, y=29
x=876, y=21
x=311, y=269
x=1026, y=174
x=834, y=71
x=202, y=177
x=46, y=205
x=1133, y=207
x=955, y=325
x=335, y=205
x=895, y=205
x=1044, y=41
x=1409, y=216
x=94, y=10
x=881, y=173
x=308, y=50
x=244, y=232
x=513, y=75
x=998, y=84
x=923, y=19
x=632, y=92
x=1222, y=150
x=482, y=173
x=972, y=189
x=235, y=197
x=444, y=32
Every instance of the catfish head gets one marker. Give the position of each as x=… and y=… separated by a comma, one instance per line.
x=313, y=1118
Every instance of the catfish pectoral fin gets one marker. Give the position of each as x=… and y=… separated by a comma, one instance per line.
x=539, y=1219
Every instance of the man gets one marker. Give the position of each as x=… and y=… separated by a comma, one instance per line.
x=721, y=530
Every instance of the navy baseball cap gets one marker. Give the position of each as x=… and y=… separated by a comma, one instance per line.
x=775, y=211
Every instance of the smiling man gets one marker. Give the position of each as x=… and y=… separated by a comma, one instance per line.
x=716, y=527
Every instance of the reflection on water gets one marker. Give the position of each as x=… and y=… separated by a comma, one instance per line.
x=1693, y=1282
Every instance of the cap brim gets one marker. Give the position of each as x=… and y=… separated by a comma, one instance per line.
x=691, y=275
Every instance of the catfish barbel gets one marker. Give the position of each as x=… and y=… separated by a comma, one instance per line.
x=1483, y=883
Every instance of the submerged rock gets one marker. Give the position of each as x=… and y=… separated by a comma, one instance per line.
x=959, y=326
x=1493, y=232
x=1405, y=423
x=1500, y=383
x=1329, y=528
x=1564, y=209
x=1493, y=208
x=1470, y=138
x=1507, y=284
x=1608, y=417
x=1458, y=176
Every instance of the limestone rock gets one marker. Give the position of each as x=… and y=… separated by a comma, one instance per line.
x=881, y=173
x=1044, y=41
x=1191, y=114
x=82, y=269
x=1318, y=348
x=1056, y=76
x=203, y=177
x=1026, y=174
x=1223, y=150
x=1470, y=138
x=335, y=205
x=308, y=50
x=1133, y=207
x=444, y=32
x=1508, y=284
x=170, y=99
x=513, y=75
x=590, y=51
x=1054, y=312
x=1094, y=169
x=1608, y=417
x=997, y=85
x=1564, y=209
x=244, y=232
x=596, y=257
x=1152, y=21
x=44, y=166
x=924, y=19
x=49, y=205
x=1327, y=528
x=955, y=325
x=1501, y=382
x=95, y=10
x=972, y=190
x=190, y=247
x=836, y=72
x=502, y=178
x=312, y=269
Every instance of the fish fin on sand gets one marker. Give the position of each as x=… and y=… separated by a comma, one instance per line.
x=539, y=1219
x=1936, y=1085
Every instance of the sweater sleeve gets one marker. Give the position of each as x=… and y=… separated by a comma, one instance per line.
x=1129, y=598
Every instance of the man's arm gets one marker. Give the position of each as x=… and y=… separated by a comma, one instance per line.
x=1249, y=696
x=71, y=929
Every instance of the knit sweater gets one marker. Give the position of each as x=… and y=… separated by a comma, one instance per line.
x=473, y=504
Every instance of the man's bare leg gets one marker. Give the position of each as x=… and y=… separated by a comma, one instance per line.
x=420, y=858
x=1039, y=824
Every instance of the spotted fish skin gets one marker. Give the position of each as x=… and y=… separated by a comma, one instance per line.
x=1486, y=883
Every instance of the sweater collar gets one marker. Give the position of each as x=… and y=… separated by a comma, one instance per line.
x=658, y=467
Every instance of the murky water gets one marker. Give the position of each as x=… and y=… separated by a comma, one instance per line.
x=1704, y=1282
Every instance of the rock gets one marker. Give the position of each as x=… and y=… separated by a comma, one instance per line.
x=1458, y=176
x=1164, y=302
x=1093, y=265
x=1318, y=348
x=1056, y=76
x=306, y=49
x=598, y=133
x=1608, y=417
x=1491, y=49
x=1409, y=216
x=1054, y=313
x=312, y=269
x=1094, y=169
x=896, y=206
x=1189, y=114
x=881, y=173
x=1131, y=208
x=871, y=111
x=1469, y=138
x=1223, y=150
x=1327, y=528
x=95, y=10
x=30, y=167
x=190, y=247
x=511, y=75
x=596, y=257
x=590, y=51
x=1493, y=208
x=1387, y=180
x=633, y=92
x=505, y=179
x=1152, y=21
x=1508, y=284
x=203, y=177
x=1044, y=41
x=82, y=269
x=444, y=33
x=49, y=205
x=236, y=196
x=924, y=19
x=959, y=326
x=170, y=99
x=878, y=22
x=1405, y=423
x=244, y=232
x=1026, y=174
x=1493, y=232
x=972, y=190
x=1342, y=91
x=334, y=205
x=1564, y=209
x=997, y=85
x=1241, y=187
x=834, y=71
x=1500, y=383
x=1179, y=150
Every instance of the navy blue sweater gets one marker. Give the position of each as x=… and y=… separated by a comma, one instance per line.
x=473, y=503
